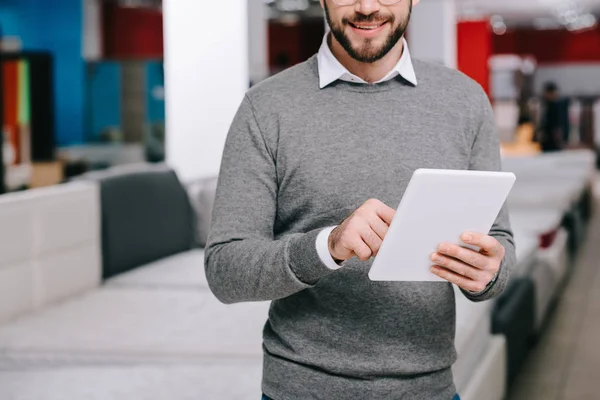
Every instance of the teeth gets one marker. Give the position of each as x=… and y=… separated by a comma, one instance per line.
x=368, y=27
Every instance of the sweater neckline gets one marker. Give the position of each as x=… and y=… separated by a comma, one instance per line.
x=360, y=87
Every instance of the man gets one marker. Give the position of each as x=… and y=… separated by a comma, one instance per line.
x=333, y=143
x=554, y=124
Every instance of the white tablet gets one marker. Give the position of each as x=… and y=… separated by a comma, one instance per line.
x=438, y=206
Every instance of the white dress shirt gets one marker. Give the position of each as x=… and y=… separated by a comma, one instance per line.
x=330, y=70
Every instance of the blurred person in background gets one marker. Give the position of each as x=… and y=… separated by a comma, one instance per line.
x=554, y=126
x=313, y=159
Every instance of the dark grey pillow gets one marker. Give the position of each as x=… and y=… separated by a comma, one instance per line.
x=202, y=197
x=146, y=215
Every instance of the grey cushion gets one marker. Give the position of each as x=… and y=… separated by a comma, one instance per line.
x=202, y=196
x=146, y=216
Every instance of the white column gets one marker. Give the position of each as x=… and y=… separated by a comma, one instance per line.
x=432, y=32
x=92, y=30
x=206, y=77
x=258, y=40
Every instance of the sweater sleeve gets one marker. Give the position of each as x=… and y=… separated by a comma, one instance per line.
x=243, y=261
x=485, y=156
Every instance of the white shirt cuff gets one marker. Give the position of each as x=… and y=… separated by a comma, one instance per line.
x=323, y=249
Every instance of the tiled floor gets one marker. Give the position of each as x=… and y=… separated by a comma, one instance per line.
x=565, y=363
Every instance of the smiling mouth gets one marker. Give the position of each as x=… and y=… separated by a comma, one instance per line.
x=368, y=26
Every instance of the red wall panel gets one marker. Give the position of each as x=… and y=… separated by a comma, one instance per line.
x=10, y=85
x=297, y=41
x=284, y=39
x=132, y=32
x=474, y=47
x=553, y=46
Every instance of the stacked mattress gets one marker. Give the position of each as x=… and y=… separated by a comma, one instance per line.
x=473, y=338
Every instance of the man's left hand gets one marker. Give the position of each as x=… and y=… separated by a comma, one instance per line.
x=470, y=270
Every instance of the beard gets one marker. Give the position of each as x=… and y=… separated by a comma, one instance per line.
x=368, y=52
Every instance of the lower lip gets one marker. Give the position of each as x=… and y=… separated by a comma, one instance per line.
x=368, y=33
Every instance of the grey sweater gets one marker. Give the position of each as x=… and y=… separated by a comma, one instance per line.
x=298, y=159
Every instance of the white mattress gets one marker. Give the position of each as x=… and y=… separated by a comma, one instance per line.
x=547, y=175
x=527, y=246
x=488, y=380
x=535, y=221
x=525, y=172
x=49, y=246
x=580, y=157
x=551, y=264
x=226, y=379
x=544, y=194
x=178, y=271
x=557, y=256
x=117, y=324
x=473, y=330
x=570, y=158
x=545, y=288
x=473, y=335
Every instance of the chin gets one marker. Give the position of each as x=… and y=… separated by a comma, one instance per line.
x=367, y=52
x=368, y=45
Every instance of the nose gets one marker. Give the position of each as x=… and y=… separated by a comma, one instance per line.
x=367, y=7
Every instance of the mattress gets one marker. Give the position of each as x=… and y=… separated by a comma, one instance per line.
x=488, y=381
x=579, y=157
x=238, y=379
x=535, y=221
x=545, y=288
x=543, y=220
x=545, y=194
x=583, y=159
x=557, y=256
x=514, y=317
x=114, y=324
x=179, y=271
x=539, y=222
x=578, y=175
x=575, y=224
x=473, y=336
x=527, y=245
x=569, y=171
x=549, y=270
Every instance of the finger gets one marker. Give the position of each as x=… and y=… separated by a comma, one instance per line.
x=457, y=267
x=460, y=281
x=371, y=239
x=360, y=248
x=468, y=256
x=485, y=242
x=385, y=212
x=379, y=227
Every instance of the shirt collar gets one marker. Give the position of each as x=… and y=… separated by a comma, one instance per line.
x=331, y=70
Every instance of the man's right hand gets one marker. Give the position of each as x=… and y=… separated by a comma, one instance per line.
x=362, y=233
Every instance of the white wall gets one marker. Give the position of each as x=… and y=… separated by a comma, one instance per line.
x=432, y=32
x=206, y=76
x=572, y=79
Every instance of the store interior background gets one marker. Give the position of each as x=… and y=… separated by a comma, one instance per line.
x=106, y=93
x=112, y=110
